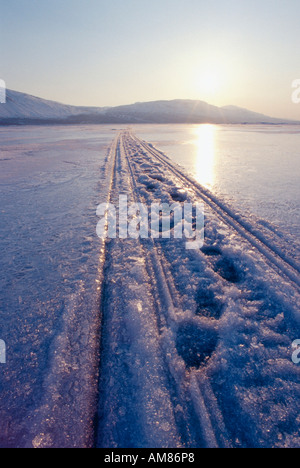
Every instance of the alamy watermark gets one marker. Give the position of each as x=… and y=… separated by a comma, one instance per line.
x=2, y=352
x=161, y=220
x=296, y=93
x=2, y=92
x=296, y=353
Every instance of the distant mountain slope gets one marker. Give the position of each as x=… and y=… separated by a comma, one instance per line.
x=186, y=111
x=23, y=106
x=25, y=109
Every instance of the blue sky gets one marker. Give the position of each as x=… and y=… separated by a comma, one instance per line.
x=110, y=52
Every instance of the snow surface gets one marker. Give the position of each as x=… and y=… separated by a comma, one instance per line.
x=225, y=322
x=169, y=347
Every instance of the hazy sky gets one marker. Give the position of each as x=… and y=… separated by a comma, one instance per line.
x=110, y=52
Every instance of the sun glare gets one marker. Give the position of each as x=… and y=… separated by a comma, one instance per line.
x=205, y=154
x=209, y=83
x=210, y=77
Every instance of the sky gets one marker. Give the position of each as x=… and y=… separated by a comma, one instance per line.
x=113, y=52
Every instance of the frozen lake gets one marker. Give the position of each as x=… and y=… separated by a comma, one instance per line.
x=51, y=182
x=50, y=186
x=255, y=168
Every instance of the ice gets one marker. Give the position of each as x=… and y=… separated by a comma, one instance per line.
x=137, y=342
x=255, y=168
x=48, y=290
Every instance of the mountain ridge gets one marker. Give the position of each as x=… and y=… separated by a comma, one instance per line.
x=22, y=109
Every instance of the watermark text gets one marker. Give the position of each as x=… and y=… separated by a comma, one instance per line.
x=138, y=221
x=2, y=352
x=296, y=92
x=2, y=92
x=296, y=353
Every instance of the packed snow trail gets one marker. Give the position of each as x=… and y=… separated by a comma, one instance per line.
x=286, y=264
x=136, y=407
x=195, y=344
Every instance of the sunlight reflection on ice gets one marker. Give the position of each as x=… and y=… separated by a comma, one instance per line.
x=205, y=154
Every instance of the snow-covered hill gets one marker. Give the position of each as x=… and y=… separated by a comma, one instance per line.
x=23, y=108
x=187, y=111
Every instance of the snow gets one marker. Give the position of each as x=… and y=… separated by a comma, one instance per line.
x=181, y=110
x=136, y=342
x=20, y=105
x=226, y=320
x=24, y=107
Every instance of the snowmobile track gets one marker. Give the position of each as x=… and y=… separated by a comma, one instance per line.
x=278, y=260
x=199, y=416
x=206, y=425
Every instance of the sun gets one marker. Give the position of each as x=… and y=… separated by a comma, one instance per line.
x=209, y=83
x=209, y=79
